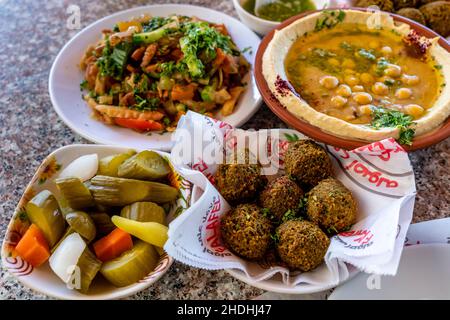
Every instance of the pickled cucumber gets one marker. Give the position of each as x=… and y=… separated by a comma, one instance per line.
x=144, y=212
x=89, y=266
x=103, y=223
x=66, y=233
x=147, y=165
x=81, y=223
x=132, y=265
x=75, y=193
x=150, y=232
x=43, y=211
x=109, y=166
x=111, y=191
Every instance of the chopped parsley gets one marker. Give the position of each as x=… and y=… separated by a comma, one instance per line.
x=113, y=61
x=329, y=19
x=83, y=85
x=291, y=137
x=367, y=54
x=145, y=104
x=386, y=118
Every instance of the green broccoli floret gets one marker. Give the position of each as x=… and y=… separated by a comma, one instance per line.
x=155, y=35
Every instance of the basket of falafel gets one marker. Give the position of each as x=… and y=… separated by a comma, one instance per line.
x=285, y=213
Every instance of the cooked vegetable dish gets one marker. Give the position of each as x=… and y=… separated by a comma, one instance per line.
x=147, y=72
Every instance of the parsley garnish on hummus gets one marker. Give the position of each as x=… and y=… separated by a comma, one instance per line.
x=386, y=118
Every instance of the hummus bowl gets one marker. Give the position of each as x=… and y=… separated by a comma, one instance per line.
x=347, y=77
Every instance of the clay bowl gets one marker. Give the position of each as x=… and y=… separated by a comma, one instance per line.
x=316, y=133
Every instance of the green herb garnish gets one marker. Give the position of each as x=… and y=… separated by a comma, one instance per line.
x=367, y=54
x=291, y=137
x=386, y=118
x=84, y=85
x=329, y=19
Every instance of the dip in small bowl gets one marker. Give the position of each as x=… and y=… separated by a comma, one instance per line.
x=272, y=14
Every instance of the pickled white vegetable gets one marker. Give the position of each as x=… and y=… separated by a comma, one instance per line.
x=84, y=167
x=66, y=256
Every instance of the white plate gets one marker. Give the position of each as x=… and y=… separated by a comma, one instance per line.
x=42, y=279
x=423, y=274
x=65, y=78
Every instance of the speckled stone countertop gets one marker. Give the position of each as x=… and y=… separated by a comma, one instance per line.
x=32, y=34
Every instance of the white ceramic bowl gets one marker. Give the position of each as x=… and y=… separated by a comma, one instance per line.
x=263, y=26
x=65, y=78
x=42, y=279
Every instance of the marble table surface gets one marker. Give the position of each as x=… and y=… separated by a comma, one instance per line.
x=32, y=34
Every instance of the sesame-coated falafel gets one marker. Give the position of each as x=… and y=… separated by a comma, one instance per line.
x=280, y=196
x=307, y=162
x=246, y=231
x=437, y=16
x=384, y=5
x=239, y=183
x=413, y=14
x=301, y=244
x=400, y=4
x=331, y=206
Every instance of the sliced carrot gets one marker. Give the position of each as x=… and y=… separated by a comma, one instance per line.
x=112, y=245
x=220, y=58
x=139, y=125
x=183, y=92
x=33, y=247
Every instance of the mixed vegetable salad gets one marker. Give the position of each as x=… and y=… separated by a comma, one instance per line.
x=147, y=72
x=109, y=217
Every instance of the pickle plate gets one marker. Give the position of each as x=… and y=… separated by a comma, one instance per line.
x=42, y=279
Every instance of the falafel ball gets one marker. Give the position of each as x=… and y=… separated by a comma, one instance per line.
x=384, y=5
x=331, y=206
x=307, y=162
x=400, y=4
x=301, y=244
x=246, y=231
x=239, y=183
x=280, y=195
x=413, y=14
x=437, y=16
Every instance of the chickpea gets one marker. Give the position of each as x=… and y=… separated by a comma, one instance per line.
x=379, y=88
x=410, y=80
x=339, y=101
x=393, y=70
x=357, y=88
x=344, y=90
x=386, y=50
x=386, y=79
x=374, y=44
x=362, y=97
x=367, y=78
x=334, y=62
x=365, y=109
x=351, y=80
x=348, y=63
x=414, y=110
x=403, y=93
x=349, y=71
x=329, y=82
x=395, y=106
